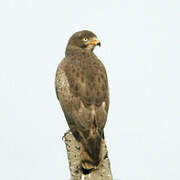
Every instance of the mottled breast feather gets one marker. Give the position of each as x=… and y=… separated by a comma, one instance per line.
x=87, y=77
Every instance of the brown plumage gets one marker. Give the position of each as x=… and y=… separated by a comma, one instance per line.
x=82, y=89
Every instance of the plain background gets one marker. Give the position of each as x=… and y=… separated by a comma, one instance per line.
x=141, y=51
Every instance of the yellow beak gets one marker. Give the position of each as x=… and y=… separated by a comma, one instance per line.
x=95, y=41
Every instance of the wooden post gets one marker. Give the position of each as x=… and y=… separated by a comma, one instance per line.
x=103, y=172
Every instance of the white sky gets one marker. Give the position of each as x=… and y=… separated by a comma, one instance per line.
x=141, y=51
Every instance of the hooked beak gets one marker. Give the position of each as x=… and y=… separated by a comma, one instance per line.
x=95, y=42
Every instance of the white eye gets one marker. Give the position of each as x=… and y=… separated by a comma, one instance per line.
x=85, y=39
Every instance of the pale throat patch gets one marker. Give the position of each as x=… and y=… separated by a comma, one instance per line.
x=90, y=47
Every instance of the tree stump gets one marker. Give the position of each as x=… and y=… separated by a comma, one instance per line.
x=103, y=172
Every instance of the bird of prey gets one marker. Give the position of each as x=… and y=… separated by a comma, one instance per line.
x=82, y=90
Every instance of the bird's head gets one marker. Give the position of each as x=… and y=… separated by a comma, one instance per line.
x=84, y=39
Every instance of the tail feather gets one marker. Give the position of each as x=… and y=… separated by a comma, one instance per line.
x=90, y=152
x=91, y=148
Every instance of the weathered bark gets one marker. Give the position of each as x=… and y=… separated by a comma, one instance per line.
x=103, y=172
